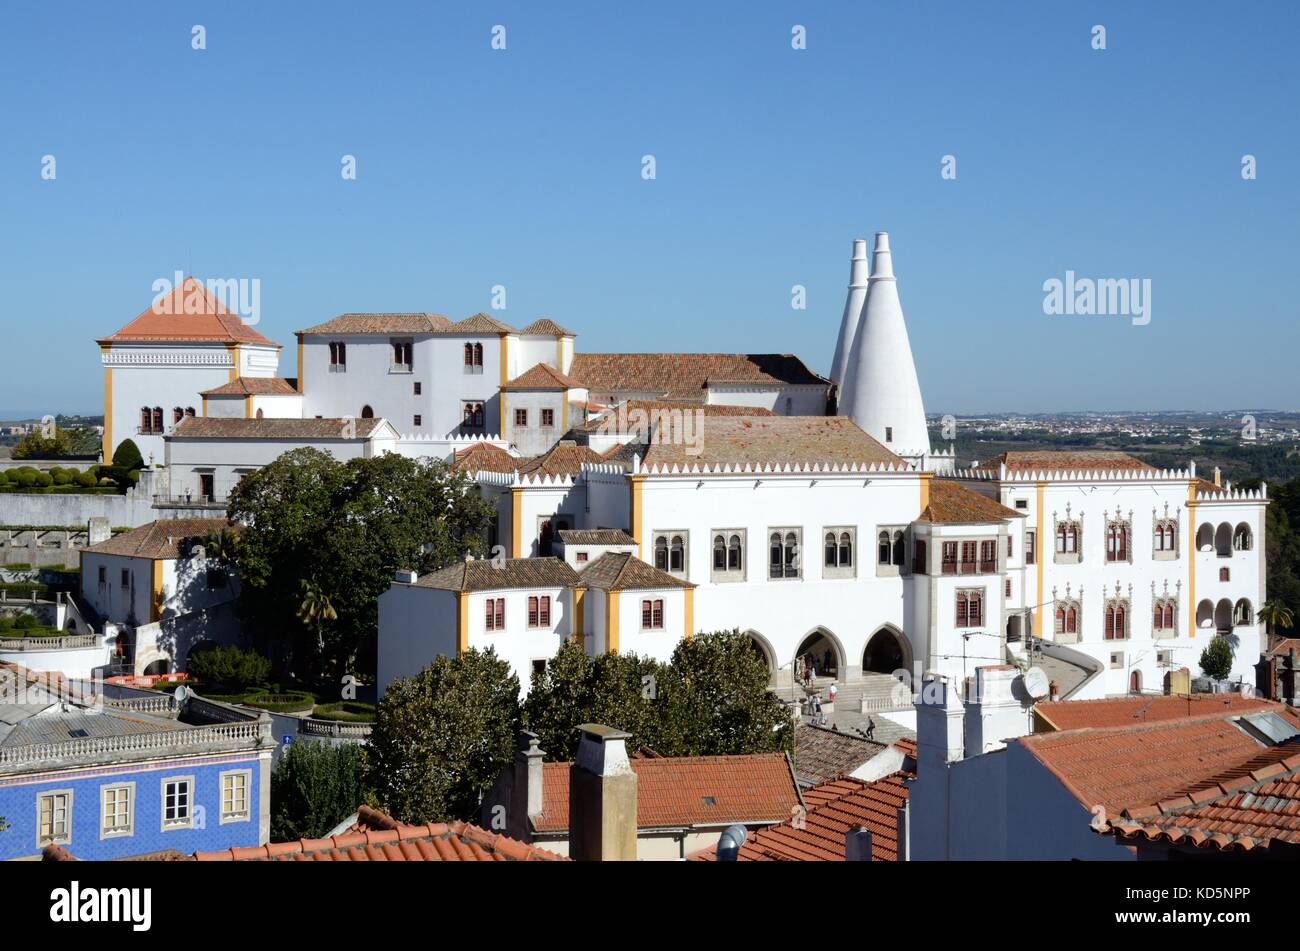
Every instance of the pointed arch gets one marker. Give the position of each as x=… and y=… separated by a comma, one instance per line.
x=887, y=650
x=822, y=644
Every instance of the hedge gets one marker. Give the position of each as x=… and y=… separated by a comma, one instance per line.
x=291, y=701
x=346, y=711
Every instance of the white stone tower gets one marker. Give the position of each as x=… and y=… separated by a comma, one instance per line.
x=852, y=311
x=880, y=391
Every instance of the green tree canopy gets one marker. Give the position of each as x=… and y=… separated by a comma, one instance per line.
x=127, y=455
x=319, y=531
x=442, y=737
x=38, y=445
x=1216, y=659
x=315, y=786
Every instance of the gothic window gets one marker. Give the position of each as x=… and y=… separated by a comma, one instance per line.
x=1115, y=621
x=728, y=555
x=670, y=552
x=1068, y=537
x=1116, y=540
x=970, y=607
x=1162, y=615
x=1164, y=538
x=783, y=545
x=1067, y=616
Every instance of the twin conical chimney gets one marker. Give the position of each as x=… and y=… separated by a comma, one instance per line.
x=879, y=390
x=858, y=273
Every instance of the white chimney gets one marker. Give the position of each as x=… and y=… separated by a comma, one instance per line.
x=858, y=274
x=857, y=844
x=406, y=576
x=999, y=710
x=880, y=391
x=602, y=797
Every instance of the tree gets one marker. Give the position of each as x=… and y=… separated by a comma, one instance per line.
x=619, y=690
x=315, y=787
x=233, y=669
x=1216, y=659
x=315, y=611
x=38, y=445
x=443, y=736
x=716, y=700
x=127, y=456
x=344, y=527
x=1276, y=614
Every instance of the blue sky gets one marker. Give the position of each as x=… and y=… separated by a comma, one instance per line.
x=522, y=168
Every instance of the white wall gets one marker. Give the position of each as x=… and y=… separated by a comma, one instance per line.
x=795, y=400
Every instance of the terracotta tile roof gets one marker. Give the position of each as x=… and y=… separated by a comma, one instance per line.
x=161, y=540
x=686, y=376
x=636, y=416
x=482, y=574
x=822, y=755
x=542, y=376
x=1056, y=461
x=1206, y=487
x=381, y=323
x=565, y=458
x=595, y=536
x=253, y=386
x=623, y=571
x=1127, y=711
x=1121, y=767
x=378, y=838
x=480, y=324
x=484, y=457
x=213, y=427
x=833, y=808
x=189, y=314
x=758, y=440
x=954, y=503
x=907, y=745
x=1283, y=646
x=544, y=326
x=675, y=791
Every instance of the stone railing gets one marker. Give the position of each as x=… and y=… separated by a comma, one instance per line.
x=163, y=703
x=62, y=642
x=165, y=742
x=334, y=729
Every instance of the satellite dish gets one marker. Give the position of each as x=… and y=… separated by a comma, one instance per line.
x=1037, y=683
x=180, y=693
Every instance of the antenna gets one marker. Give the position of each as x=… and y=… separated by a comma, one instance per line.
x=1037, y=683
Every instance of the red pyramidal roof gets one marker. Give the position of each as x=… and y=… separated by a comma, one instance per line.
x=188, y=314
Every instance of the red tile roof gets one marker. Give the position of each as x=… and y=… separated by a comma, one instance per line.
x=161, y=540
x=565, y=458
x=1123, y=766
x=253, y=386
x=189, y=314
x=544, y=326
x=686, y=376
x=778, y=440
x=487, y=574
x=953, y=503
x=378, y=838
x=636, y=416
x=1127, y=711
x=833, y=808
x=542, y=376
x=485, y=457
x=688, y=791
x=380, y=323
x=217, y=427
x=1092, y=460
x=623, y=571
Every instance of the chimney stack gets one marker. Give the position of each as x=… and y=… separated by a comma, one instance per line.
x=858, y=275
x=406, y=576
x=527, y=792
x=857, y=844
x=602, y=797
x=1218, y=476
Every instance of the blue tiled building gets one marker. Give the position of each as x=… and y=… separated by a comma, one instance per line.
x=109, y=779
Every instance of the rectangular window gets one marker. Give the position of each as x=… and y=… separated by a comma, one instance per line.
x=417, y=388
x=126, y=578
x=548, y=417
x=889, y=434
x=495, y=614
x=177, y=802
x=54, y=818
x=970, y=608
x=544, y=611
x=968, y=563
x=1008, y=588
x=402, y=355
x=419, y=420
x=103, y=575
x=1022, y=503
x=838, y=545
x=949, y=558
x=521, y=417
x=988, y=557
x=652, y=615
x=1009, y=553
x=918, y=557
x=582, y=557
x=783, y=553
x=116, y=810
x=1029, y=548
x=235, y=795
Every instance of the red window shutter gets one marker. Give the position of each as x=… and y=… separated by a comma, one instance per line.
x=659, y=614
x=646, y=616
x=491, y=614
x=532, y=612
x=961, y=609
x=1071, y=621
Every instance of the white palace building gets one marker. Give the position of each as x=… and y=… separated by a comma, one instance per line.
x=642, y=497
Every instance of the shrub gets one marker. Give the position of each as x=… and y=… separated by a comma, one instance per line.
x=291, y=701
x=23, y=478
x=1216, y=659
x=85, y=479
x=6, y=623
x=346, y=711
x=26, y=622
x=231, y=669
x=43, y=480
x=315, y=786
x=127, y=456
x=61, y=476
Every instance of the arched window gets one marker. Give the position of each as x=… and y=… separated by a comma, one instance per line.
x=734, y=558
x=1241, y=538
x=1060, y=620
x=260, y=413
x=189, y=411
x=661, y=553
x=719, y=553
x=146, y=419
x=677, y=555
x=783, y=561
x=157, y=419
x=1110, y=623
x=1072, y=620
x=469, y=354
x=883, y=548
x=832, y=550
x=1242, y=613
x=898, y=552
x=1116, y=541
x=367, y=412
x=478, y=354
x=846, y=550
x=177, y=414
x=1169, y=615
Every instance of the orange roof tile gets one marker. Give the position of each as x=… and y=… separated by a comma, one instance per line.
x=953, y=503
x=542, y=376
x=674, y=791
x=253, y=386
x=565, y=458
x=377, y=837
x=688, y=375
x=189, y=314
x=381, y=323
x=623, y=571
x=1127, y=711
x=161, y=540
x=484, y=457
x=833, y=808
x=544, y=326
x=777, y=440
x=1092, y=460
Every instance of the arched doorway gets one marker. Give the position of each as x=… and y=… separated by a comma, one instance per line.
x=367, y=412
x=820, y=649
x=887, y=651
x=1135, y=682
x=158, y=668
x=763, y=649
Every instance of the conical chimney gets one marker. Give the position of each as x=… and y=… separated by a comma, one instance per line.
x=880, y=391
x=852, y=311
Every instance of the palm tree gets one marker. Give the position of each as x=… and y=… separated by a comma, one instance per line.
x=222, y=547
x=314, y=609
x=1276, y=614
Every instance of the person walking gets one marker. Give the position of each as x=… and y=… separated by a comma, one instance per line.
x=871, y=727
x=833, y=691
